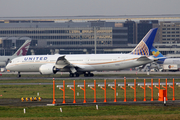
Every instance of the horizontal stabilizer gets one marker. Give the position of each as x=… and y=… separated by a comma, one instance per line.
x=143, y=58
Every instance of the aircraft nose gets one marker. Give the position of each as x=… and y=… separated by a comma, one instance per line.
x=7, y=66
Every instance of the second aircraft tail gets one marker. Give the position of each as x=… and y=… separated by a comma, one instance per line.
x=23, y=49
x=157, y=54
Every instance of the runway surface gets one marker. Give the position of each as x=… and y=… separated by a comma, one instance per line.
x=45, y=102
x=99, y=75
x=103, y=72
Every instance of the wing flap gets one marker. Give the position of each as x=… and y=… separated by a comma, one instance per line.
x=62, y=62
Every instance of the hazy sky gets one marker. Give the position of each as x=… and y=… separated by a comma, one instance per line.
x=20, y=8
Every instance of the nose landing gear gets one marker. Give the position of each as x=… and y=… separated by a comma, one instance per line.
x=19, y=75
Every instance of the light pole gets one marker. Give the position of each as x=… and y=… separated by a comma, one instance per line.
x=95, y=40
x=95, y=28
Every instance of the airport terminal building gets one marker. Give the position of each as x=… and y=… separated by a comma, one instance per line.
x=50, y=37
x=70, y=37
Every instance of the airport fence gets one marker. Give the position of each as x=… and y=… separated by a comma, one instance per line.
x=117, y=91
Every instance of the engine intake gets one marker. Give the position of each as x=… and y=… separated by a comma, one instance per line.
x=48, y=69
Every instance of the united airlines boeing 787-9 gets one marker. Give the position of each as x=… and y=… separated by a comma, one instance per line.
x=85, y=63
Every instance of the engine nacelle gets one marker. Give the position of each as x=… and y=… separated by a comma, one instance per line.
x=47, y=69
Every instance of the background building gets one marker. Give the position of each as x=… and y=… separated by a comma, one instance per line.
x=131, y=25
x=9, y=45
x=144, y=26
x=50, y=36
x=68, y=37
x=170, y=32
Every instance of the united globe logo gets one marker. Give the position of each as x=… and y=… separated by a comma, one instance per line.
x=141, y=49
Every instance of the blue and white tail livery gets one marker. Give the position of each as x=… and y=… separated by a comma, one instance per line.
x=157, y=54
x=144, y=47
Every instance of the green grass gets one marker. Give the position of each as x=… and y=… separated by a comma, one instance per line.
x=85, y=112
x=88, y=112
x=18, y=91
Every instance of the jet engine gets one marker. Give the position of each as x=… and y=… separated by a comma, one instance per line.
x=48, y=69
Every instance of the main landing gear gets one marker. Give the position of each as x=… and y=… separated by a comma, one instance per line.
x=86, y=74
x=74, y=75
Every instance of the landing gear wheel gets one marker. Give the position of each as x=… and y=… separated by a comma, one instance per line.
x=88, y=74
x=85, y=75
x=19, y=75
x=74, y=75
x=77, y=74
x=91, y=74
x=71, y=75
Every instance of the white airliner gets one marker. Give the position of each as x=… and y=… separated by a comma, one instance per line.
x=85, y=63
x=20, y=52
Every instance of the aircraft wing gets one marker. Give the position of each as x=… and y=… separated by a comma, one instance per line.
x=63, y=62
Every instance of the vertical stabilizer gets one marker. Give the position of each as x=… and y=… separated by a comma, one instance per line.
x=157, y=54
x=23, y=49
x=144, y=47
